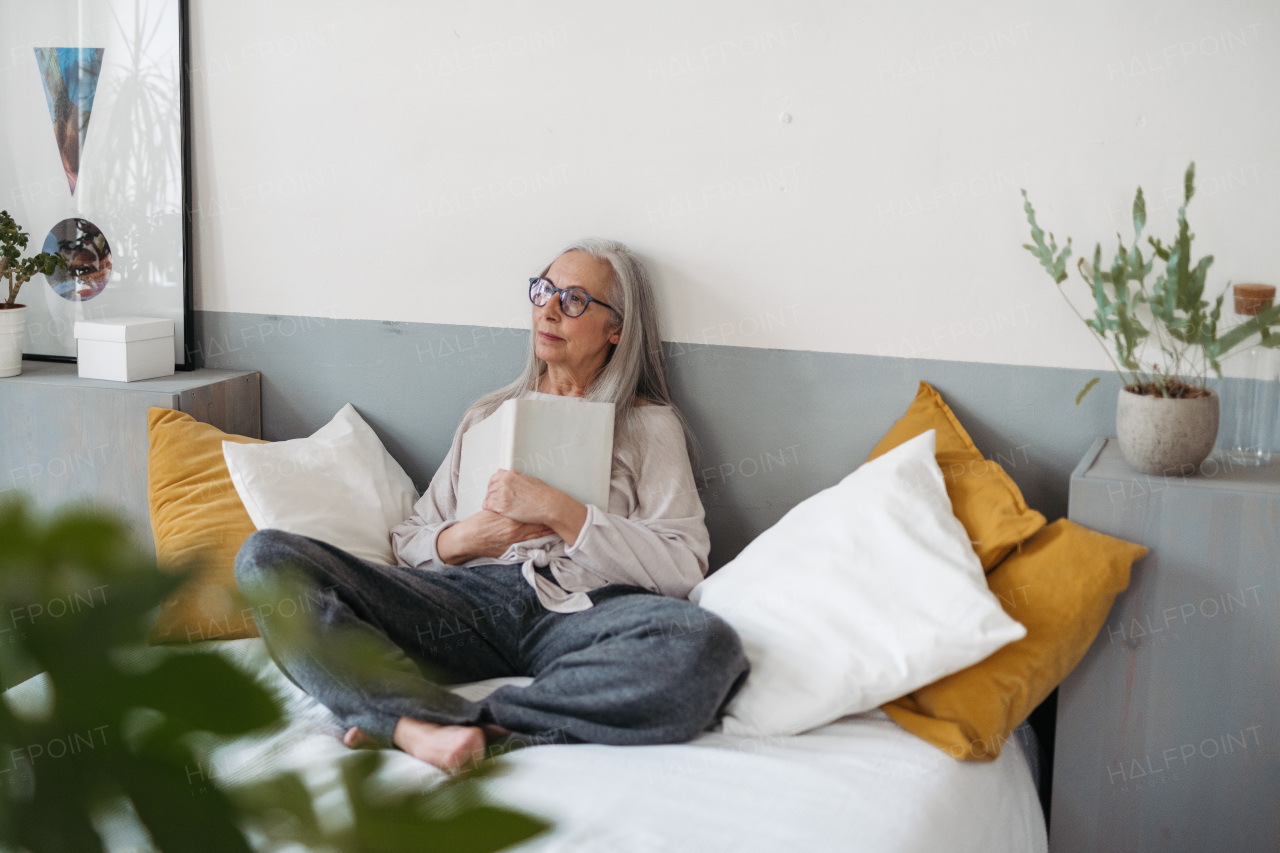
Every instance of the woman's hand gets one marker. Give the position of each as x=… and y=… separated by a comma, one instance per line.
x=520, y=497
x=523, y=498
x=483, y=534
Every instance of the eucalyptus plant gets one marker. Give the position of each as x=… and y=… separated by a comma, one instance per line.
x=16, y=270
x=120, y=728
x=1182, y=329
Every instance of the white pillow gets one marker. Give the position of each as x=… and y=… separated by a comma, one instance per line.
x=859, y=595
x=339, y=486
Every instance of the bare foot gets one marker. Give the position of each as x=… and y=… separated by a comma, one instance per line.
x=451, y=748
x=356, y=739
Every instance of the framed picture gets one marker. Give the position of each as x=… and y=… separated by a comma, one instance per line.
x=93, y=163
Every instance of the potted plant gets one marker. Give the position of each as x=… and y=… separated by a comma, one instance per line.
x=1166, y=337
x=16, y=271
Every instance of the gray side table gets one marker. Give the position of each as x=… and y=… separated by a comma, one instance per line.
x=66, y=439
x=1168, y=732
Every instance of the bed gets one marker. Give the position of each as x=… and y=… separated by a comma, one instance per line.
x=859, y=783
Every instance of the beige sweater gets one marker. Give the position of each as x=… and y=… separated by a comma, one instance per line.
x=654, y=534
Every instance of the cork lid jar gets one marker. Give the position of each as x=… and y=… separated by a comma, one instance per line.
x=1253, y=299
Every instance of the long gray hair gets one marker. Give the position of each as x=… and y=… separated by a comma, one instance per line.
x=636, y=367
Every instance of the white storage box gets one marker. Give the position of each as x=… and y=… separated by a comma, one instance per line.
x=124, y=349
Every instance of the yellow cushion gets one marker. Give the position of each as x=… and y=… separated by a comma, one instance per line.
x=199, y=524
x=1061, y=586
x=984, y=498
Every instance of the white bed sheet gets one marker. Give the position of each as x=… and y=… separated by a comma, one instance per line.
x=860, y=783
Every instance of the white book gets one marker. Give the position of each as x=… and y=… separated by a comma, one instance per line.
x=566, y=443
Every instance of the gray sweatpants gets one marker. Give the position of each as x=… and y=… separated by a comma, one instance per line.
x=635, y=668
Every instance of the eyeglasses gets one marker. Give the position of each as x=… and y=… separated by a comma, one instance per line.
x=573, y=300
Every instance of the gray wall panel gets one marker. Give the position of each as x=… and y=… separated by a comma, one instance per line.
x=775, y=425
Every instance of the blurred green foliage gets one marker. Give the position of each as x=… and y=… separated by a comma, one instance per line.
x=1182, y=326
x=76, y=602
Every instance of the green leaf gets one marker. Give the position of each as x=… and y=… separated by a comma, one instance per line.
x=57, y=818
x=1193, y=297
x=1053, y=261
x=206, y=693
x=286, y=794
x=1162, y=252
x=1241, y=333
x=1086, y=389
x=1139, y=215
x=180, y=818
x=450, y=818
x=477, y=830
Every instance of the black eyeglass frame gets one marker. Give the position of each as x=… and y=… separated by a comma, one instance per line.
x=564, y=291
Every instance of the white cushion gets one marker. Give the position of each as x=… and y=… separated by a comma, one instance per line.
x=339, y=486
x=859, y=595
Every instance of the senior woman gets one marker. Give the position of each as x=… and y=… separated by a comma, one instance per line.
x=588, y=601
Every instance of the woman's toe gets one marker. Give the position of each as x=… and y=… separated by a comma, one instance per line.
x=355, y=739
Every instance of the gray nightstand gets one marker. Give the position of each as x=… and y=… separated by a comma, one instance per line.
x=1168, y=732
x=64, y=439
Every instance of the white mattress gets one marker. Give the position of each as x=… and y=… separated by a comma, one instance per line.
x=860, y=783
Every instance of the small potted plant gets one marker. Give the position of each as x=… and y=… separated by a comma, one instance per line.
x=16, y=271
x=1166, y=337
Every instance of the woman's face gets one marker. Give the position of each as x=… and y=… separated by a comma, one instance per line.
x=579, y=344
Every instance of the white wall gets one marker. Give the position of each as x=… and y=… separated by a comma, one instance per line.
x=417, y=161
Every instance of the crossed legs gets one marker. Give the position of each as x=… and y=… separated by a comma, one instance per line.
x=374, y=643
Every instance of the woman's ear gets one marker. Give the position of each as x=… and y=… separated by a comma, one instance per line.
x=615, y=337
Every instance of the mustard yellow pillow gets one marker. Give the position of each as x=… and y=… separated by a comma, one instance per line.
x=984, y=498
x=199, y=524
x=1060, y=585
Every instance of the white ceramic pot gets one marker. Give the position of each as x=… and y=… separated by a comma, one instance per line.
x=13, y=327
x=1164, y=436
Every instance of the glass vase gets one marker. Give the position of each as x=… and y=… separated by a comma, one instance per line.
x=1251, y=398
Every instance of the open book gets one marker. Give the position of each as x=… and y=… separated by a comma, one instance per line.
x=566, y=443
